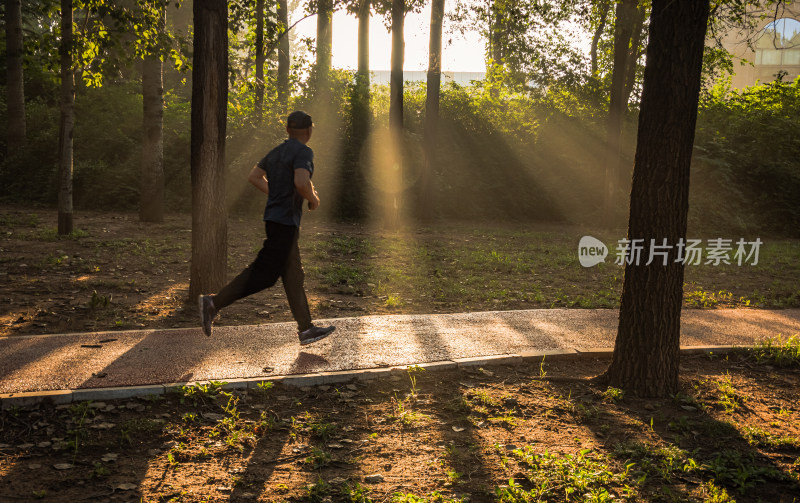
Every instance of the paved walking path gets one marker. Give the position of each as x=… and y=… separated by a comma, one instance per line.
x=142, y=357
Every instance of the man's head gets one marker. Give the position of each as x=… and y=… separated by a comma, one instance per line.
x=299, y=126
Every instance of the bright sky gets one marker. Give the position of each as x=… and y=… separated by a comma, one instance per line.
x=459, y=53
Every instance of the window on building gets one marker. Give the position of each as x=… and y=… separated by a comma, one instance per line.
x=779, y=44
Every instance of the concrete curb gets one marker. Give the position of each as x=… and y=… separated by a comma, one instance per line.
x=58, y=397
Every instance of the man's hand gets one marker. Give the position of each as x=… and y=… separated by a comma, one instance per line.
x=302, y=182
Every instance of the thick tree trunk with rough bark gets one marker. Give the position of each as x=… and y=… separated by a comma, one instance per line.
x=209, y=117
x=15, y=88
x=432, y=107
x=284, y=56
x=396, y=76
x=259, y=59
x=67, y=122
x=646, y=354
x=151, y=178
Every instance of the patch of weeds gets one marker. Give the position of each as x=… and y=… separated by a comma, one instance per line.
x=585, y=476
x=263, y=388
x=318, y=491
x=318, y=458
x=760, y=437
x=39, y=494
x=51, y=234
x=777, y=351
x=508, y=419
x=730, y=467
x=645, y=461
x=715, y=494
x=355, y=493
x=481, y=396
x=393, y=301
x=729, y=398
x=434, y=497
x=407, y=416
x=78, y=432
x=612, y=394
x=99, y=471
x=99, y=301
x=412, y=371
x=199, y=391
x=322, y=430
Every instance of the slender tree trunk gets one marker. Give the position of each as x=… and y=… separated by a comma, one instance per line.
x=259, y=59
x=432, y=107
x=67, y=122
x=363, y=40
x=396, y=77
x=284, y=56
x=151, y=204
x=646, y=354
x=497, y=33
x=598, y=32
x=324, y=45
x=15, y=88
x=633, y=52
x=616, y=109
x=209, y=117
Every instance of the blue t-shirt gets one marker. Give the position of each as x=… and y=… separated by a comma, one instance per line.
x=284, y=204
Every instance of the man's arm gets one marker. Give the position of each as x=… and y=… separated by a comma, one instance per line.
x=258, y=178
x=302, y=182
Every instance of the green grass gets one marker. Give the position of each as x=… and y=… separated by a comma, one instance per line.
x=777, y=351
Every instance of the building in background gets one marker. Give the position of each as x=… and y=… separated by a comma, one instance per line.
x=773, y=49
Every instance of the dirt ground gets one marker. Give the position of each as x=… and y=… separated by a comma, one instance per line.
x=539, y=432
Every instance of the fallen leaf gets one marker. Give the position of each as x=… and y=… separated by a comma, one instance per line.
x=126, y=486
x=458, y=428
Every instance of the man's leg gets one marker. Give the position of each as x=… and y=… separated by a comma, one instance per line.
x=265, y=269
x=293, y=283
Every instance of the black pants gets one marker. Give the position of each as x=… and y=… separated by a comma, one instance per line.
x=279, y=257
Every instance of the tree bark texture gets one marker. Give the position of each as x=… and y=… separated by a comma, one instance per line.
x=67, y=122
x=324, y=46
x=259, y=59
x=284, y=56
x=209, y=116
x=623, y=31
x=15, y=88
x=396, y=76
x=646, y=353
x=151, y=178
x=432, y=107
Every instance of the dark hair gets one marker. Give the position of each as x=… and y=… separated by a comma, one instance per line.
x=299, y=120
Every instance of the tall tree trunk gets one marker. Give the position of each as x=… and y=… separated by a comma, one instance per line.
x=67, y=122
x=633, y=52
x=209, y=117
x=284, y=59
x=646, y=353
x=259, y=59
x=496, y=29
x=396, y=76
x=151, y=204
x=623, y=31
x=598, y=32
x=432, y=107
x=15, y=88
x=324, y=45
x=363, y=40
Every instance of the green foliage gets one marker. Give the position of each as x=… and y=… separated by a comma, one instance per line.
x=745, y=171
x=778, y=351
